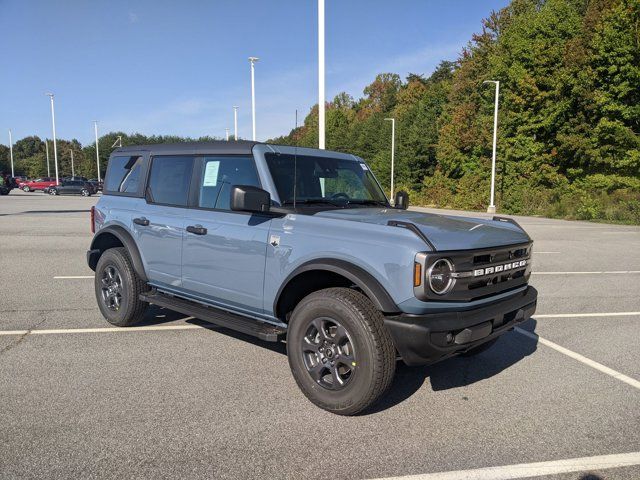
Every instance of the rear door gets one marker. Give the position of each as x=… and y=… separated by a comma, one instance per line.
x=223, y=255
x=159, y=225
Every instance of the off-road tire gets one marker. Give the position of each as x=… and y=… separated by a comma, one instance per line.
x=373, y=349
x=132, y=309
x=480, y=348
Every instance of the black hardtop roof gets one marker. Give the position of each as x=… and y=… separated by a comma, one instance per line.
x=218, y=147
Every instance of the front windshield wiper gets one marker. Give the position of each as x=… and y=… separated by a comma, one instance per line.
x=315, y=201
x=368, y=202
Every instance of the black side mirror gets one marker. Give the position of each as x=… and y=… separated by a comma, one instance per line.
x=401, y=201
x=246, y=198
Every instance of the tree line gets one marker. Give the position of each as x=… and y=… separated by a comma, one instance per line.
x=568, y=126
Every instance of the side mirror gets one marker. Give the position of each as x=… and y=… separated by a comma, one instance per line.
x=401, y=201
x=246, y=198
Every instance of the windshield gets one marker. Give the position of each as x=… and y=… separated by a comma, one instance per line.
x=324, y=180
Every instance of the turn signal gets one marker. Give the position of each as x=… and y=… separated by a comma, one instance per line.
x=417, y=274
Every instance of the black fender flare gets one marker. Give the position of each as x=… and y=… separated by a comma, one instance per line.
x=366, y=282
x=127, y=241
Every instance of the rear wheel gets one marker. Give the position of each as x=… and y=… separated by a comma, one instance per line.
x=340, y=353
x=118, y=289
x=26, y=189
x=84, y=192
x=53, y=191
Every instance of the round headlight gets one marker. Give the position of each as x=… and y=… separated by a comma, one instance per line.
x=440, y=276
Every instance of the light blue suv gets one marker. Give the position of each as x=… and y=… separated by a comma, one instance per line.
x=286, y=242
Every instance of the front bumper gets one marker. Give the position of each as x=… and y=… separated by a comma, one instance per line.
x=428, y=338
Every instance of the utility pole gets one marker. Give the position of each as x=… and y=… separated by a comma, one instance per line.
x=492, y=205
x=393, y=150
x=46, y=147
x=253, y=60
x=55, y=145
x=73, y=170
x=95, y=129
x=11, y=150
x=321, y=91
x=226, y=131
x=235, y=123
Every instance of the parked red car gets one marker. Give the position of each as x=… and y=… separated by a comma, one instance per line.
x=37, y=184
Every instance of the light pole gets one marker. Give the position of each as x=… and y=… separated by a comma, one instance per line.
x=253, y=60
x=95, y=129
x=46, y=147
x=226, y=131
x=492, y=205
x=73, y=170
x=235, y=123
x=393, y=149
x=11, y=152
x=321, y=93
x=55, y=145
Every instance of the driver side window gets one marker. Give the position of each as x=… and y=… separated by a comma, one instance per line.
x=219, y=174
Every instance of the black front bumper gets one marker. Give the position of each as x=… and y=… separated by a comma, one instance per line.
x=429, y=338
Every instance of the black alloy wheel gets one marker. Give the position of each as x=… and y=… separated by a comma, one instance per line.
x=111, y=288
x=328, y=353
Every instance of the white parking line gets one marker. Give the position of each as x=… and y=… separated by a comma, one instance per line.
x=578, y=315
x=580, y=358
x=543, y=253
x=147, y=328
x=73, y=277
x=614, y=272
x=525, y=470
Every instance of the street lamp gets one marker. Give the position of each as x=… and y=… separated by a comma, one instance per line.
x=95, y=130
x=226, y=131
x=73, y=170
x=235, y=123
x=253, y=60
x=55, y=145
x=11, y=150
x=393, y=149
x=492, y=206
x=46, y=147
x=321, y=92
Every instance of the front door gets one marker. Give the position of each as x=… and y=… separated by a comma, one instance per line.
x=159, y=224
x=223, y=256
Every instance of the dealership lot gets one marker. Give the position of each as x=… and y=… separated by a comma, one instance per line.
x=80, y=399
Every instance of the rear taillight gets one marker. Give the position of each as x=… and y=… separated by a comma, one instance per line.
x=93, y=219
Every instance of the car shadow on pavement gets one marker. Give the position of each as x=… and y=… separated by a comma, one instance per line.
x=459, y=371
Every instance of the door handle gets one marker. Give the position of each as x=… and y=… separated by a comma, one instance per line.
x=197, y=229
x=141, y=221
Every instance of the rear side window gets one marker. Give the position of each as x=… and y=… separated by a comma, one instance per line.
x=124, y=175
x=169, y=180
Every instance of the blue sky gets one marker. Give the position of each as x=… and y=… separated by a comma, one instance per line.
x=169, y=67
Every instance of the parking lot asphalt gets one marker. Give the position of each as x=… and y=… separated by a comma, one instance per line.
x=80, y=399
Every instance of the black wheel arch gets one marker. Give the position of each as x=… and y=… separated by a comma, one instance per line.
x=356, y=275
x=115, y=236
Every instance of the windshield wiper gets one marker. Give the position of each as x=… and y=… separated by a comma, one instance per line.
x=315, y=201
x=368, y=202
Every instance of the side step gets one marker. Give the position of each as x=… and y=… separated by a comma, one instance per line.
x=249, y=326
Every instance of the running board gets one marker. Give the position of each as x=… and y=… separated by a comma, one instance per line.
x=249, y=326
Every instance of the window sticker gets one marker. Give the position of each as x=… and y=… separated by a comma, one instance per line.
x=364, y=167
x=211, y=174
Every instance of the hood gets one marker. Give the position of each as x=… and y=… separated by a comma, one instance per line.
x=445, y=232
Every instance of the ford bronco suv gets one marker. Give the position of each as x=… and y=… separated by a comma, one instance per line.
x=300, y=244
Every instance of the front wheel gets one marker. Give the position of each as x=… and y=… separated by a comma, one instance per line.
x=53, y=191
x=339, y=351
x=118, y=289
x=84, y=192
x=26, y=189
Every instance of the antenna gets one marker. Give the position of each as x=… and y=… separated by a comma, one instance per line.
x=295, y=163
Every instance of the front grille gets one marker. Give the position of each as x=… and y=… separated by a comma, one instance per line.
x=469, y=262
